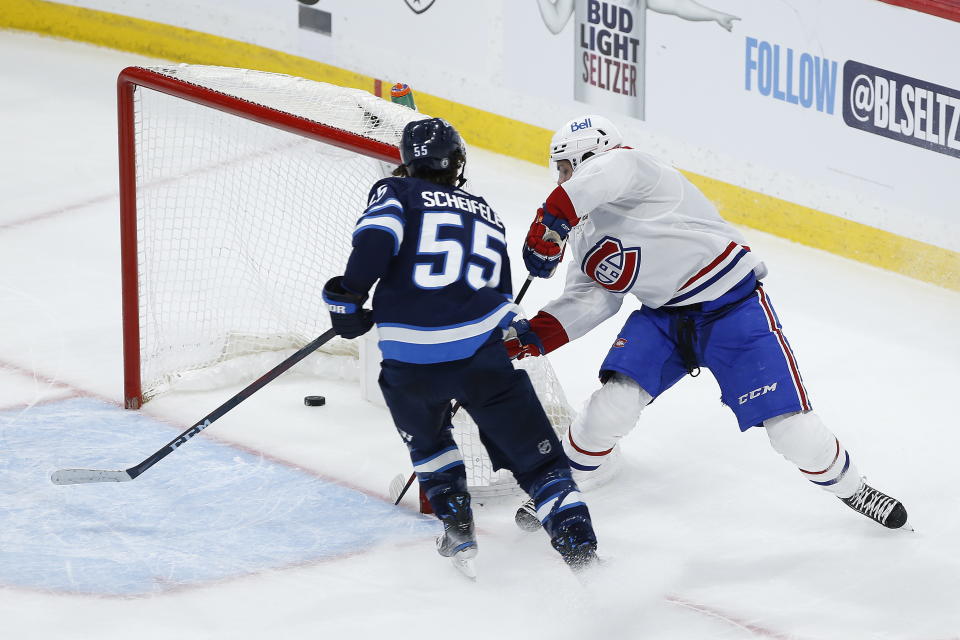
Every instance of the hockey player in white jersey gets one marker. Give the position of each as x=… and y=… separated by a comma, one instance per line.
x=636, y=226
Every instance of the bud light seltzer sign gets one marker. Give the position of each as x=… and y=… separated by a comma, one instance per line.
x=609, y=44
x=609, y=56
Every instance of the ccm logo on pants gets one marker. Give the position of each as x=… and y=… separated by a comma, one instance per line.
x=756, y=393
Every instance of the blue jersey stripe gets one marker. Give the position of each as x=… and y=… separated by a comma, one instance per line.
x=433, y=353
x=390, y=224
x=446, y=327
x=709, y=282
x=391, y=203
x=427, y=345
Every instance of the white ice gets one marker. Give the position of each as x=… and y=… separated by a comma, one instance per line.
x=706, y=531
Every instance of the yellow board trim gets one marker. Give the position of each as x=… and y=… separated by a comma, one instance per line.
x=831, y=233
x=503, y=135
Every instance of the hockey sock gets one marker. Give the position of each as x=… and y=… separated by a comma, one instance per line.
x=565, y=518
x=556, y=497
x=611, y=413
x=441, y=474
x=802, y=439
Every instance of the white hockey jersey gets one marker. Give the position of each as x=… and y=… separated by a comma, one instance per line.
x=644, y=230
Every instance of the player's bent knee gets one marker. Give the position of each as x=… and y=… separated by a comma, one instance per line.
x=619, y=401
x=803, y=439
x=611, y=413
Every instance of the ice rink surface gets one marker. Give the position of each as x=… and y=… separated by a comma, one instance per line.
x=274, y=523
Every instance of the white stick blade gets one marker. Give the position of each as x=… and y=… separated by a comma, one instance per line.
x=86, y=476
x=396, y=486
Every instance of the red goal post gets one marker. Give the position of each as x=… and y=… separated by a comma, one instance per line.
x=947, y=9
x=184, y=83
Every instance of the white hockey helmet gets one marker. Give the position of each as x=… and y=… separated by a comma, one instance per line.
x=584, y=137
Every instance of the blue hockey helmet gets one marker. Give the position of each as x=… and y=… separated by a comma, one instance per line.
x=432, y=145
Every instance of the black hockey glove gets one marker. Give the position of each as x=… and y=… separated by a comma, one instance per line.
x=347, y=315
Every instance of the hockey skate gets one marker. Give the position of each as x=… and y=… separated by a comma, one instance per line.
x=878, y=506
x=577, y=546
x=526, y=517
x=458, y=540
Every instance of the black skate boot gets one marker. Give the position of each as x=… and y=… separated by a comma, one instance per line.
x=877, y=506
x=526, y=517
x=458, y=540
x=577, y=545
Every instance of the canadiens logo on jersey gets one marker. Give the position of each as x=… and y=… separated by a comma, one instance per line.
x=611, y=266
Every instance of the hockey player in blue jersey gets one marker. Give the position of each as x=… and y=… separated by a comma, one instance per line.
x=636, y=226
x=443, y=300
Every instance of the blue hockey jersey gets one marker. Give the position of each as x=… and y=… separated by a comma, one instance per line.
x=440, y=256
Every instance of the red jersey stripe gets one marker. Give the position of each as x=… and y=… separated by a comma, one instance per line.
x=709, y=267
x=787, y=352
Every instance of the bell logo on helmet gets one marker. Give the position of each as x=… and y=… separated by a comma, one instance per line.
x=576, y=126
x=584, y=137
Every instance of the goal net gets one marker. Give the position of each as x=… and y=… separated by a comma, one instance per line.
x=240, y=190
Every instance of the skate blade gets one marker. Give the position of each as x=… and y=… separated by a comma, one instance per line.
x=464, y=565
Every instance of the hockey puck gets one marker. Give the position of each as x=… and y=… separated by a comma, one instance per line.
x=314, y=401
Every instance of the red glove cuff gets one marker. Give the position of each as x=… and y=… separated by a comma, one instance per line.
x=549, y=330
x=559, y=204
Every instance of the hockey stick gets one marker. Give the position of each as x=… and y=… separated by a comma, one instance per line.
x=84, y=476
x=456, y=405
x=523, y=290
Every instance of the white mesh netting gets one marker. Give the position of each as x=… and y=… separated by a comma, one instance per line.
x=238, y=225
x=483, y=480
x=239, y=222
